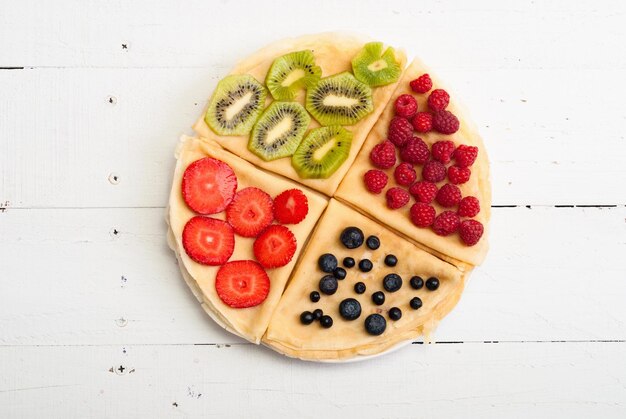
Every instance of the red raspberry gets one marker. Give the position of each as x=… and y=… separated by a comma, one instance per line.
x=422, y=214
x=465, y=155
x=423, y=191
x=445, y=122
x=438, y=100
x=405, y=105
x=375, y=181
x=469, y=207
x=422, y=121
x=415, y=151
x=442, y=151
x=434, y=171
x=383, y=155
x=400, y=130
x=471, y=231
x=446, y=223
x=459, y=175
x=448, y=196
x=397, y=198
x=422, y=84
x=404, y=174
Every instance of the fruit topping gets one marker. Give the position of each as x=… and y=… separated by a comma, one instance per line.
x=352, y=237
x=383, y=155
x=275, y=246
x=375, y=324
x=442, y=151
x=322, y=152
x=208, y=241
x=328, y=285
x=446, y=223
x=459, y=175
x=250, y=212
x=307, y=317
x=433, y=171
x=349, y=262
x=208, y=186
x=242, y=283
x=438, y=100
x=291, y=206
x=378, y=298
x=392, y=282
x=395, y=313
x=416, y=282
x=422, y=121
x=235, y=105
x=448, y=196
x=327, y=262
x=400, y=130
x=391, y=260
x=432, y=283
x=445, y=122
x=339, y=273
x=421, y=214
x=318, y=313
x=422, y=84
x=469, y=207
x=415, y=303
x=365, y=265
x=423, y=191
x=375, y=67
x=314, y=296
x=372, y=242
x=471, y=231
x=375, y=180
x=405, y=174
x=415, y=151
x=465, y=155
x=326, y=321
x=292, y=72
x=397, y=198
x=359, y=287
x=350, y=309
x=279, y=130
x=405, y=106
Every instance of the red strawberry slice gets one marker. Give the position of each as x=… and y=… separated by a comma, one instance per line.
x=208, y=241
x=250, y=212
x=208, y=185
x=242, y=283
x=275, y=247
x=291, y=206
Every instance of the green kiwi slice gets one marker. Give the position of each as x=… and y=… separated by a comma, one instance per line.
x=322, y=152
x=339, y=100
x=235, y=105
x=292, y=72
x=279, y=130
x=374, y=67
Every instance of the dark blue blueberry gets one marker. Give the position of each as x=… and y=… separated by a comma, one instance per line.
x=432, y=283
x=314, y=296
x=365, y=265
x=326, y=321
x=417, y=283
x=350, y=309
x=415, y=303
x=395, y=313
x=349, y=262
x=375, y=324
x=378, y=298
x=391, y=260
x=372, y=242
x=359, y=288
x=306, y=317
x=328, y=284
x=327, y=262
x=392, y=282
x=318, y=313
x=339, y=273
x=352, y=237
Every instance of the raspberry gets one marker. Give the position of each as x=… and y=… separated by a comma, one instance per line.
x=415, y=151
x=397, y=198
x=404, y=174
x=446, y=223
x=375, y=181
x=383, y=155
x=400, y=130
x=423, y=191
x=459, y=175
x=422, y=214
x=422, y=84
x=445, y=122
x=422, y=121
x=442, y=151
x=434, y=171
x=405, y=106
x=471, y=231
x=465, y=155
x=469, y=207
x=438, y=100
x=449, y=196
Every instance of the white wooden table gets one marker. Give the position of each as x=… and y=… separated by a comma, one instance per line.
x=95, y=321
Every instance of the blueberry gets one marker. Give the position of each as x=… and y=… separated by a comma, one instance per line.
x=348, y=262
x=314, y=296
x=395, y=313
x=375, y=324
x=392, y=282
x=365, y=265
x=415, y=303
x=352, y=237
x=318, y=313
x=326, y=321
x=432, y=283
x=417, y=283
x=359, y=288
x=306, y=317
x=350, y=309
x=378, y=298
x=391, y=260
x=339, y=273
x=328, y=284
x=372, y=242
x=327, y=262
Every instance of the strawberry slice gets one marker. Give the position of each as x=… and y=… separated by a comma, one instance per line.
x=250, y=212
x=291, y=206
x=242, y=283
x=208, y=186
x=208, y=241
x=275, y=246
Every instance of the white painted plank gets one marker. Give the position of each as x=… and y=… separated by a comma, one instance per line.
x=552, y=274
x=573, y=380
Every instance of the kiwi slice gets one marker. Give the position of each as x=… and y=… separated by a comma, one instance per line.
x=235, y=105
x=279, y=130
x=322, y=152
x=339, y=100
x=375, y=67
x=291, y=72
